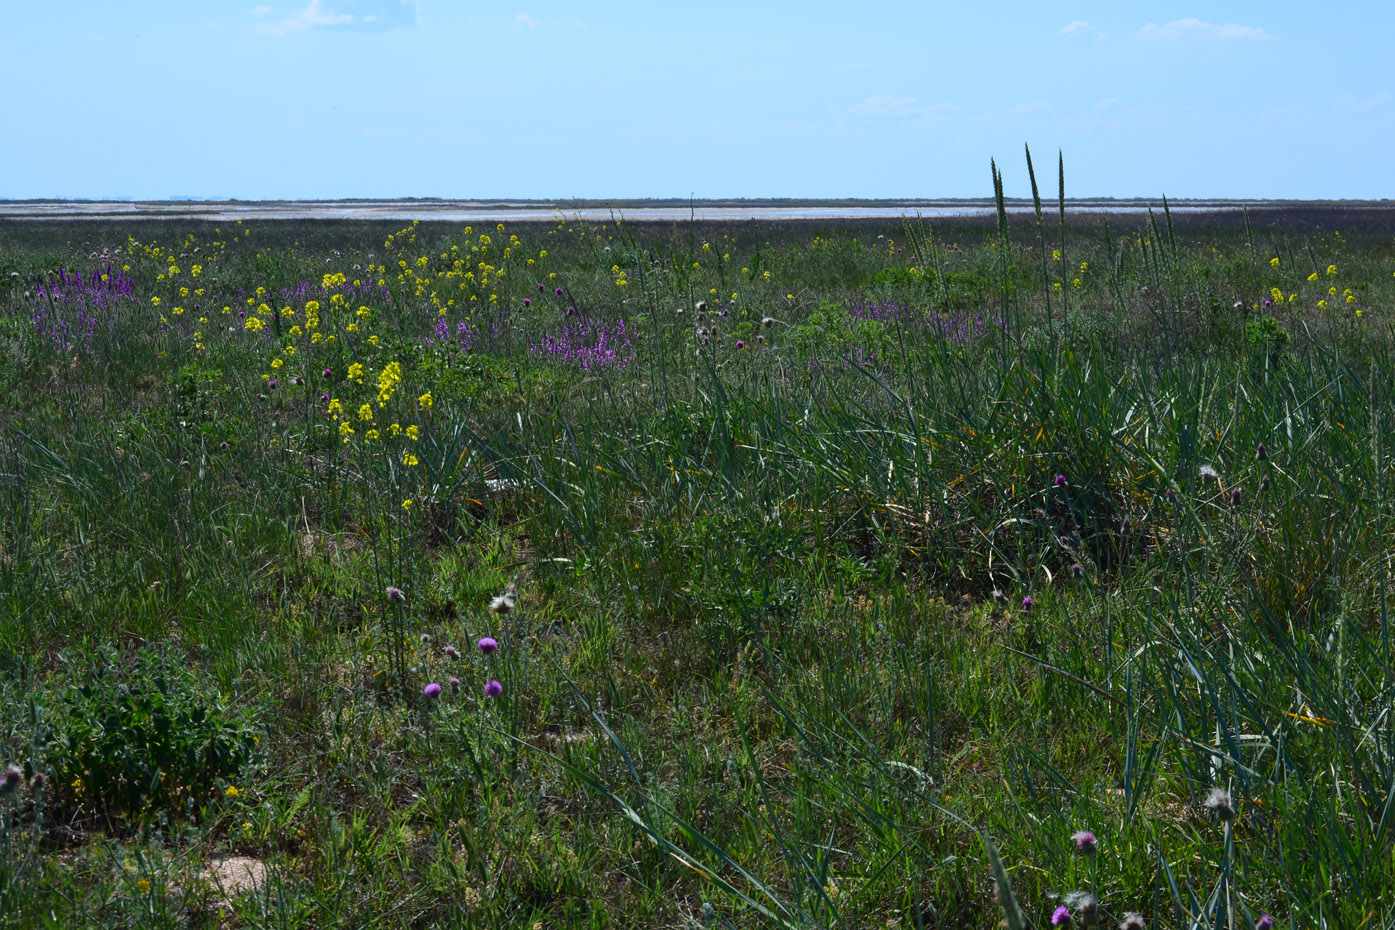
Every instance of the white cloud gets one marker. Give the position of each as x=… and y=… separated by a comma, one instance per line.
x=1030, y=108
x=1197, y=30
x=1082, y=29
x=261, y=10
x=884, y=105
x=1350, y=103
x=369, y=15
x=892, y=106
x=528, y=22
x=1106, y=103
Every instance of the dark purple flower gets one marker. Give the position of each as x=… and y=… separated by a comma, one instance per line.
x=1060, y=917
x=1264, y=483
x=271, y=385
x=328, y=373
x=395, y=594
x=1028, y=603
x=1261, y=453
x=542, y=289
x=488, y=644
x=740, y=344
x=558, y=292
x=324, y=398
x=527, y=301
x=13, y=776
x=451, y=653
x=1265, y=922
x=431, y=690
x=454, y=683
x=1084, y=842
x=1060, y=481
x=1235, y=496
x=494, y=688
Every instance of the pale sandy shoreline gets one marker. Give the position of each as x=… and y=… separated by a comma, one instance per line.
x=466, y=211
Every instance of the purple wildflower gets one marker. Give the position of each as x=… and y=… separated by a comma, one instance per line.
x=494, y=688
x=451, y=653
x=1060, y=917
x=395, y=594
x=454, y=683
x=1265, y=922
x=1028, y=603
x=1060, y=481
x=558, y=292
x=1261, y=453
x=271, y=385
x=13, y=776
x=1084, y=842
x=328, y=373
x=1235, y=496
x=432, y=690
x=488, y=644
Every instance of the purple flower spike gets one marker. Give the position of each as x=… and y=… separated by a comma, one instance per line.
x=1084, y=842
x=1060, y=917
x=1028, y=603
x=488, y=644
x=324, y=398
x=432, y=690
x=494, y=688
x=1060, y=481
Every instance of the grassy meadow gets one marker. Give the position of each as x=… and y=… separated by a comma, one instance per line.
x=1025, y=570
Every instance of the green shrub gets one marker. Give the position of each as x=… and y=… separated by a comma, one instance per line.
x=144, y=736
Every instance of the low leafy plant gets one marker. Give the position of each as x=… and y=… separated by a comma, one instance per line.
x=144, y=736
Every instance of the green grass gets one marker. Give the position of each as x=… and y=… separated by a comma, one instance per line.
x=770, y=663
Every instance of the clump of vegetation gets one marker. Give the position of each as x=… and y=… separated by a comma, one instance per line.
x=142, y=735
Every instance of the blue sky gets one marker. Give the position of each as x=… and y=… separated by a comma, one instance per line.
x=385, y=98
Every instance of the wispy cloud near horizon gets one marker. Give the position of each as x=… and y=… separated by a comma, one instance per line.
x=1199, y=31
x=893, y=106
x=1082, y=30
x=358, y=15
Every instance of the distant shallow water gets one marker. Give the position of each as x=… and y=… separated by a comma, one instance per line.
x=466, y=212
